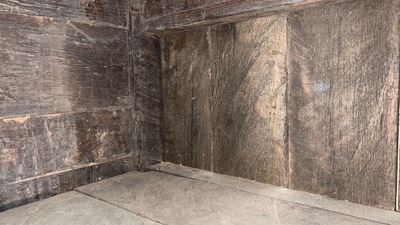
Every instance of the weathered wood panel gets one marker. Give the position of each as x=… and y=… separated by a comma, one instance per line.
x=188, y=70
x=49, y=65
x=176, y=15
x=111, y=12
x=26, y=191
x=343, y=101
x=146, y=80
x=35, y=146
x=66, y=103
x=224, y=96
x=249, y=100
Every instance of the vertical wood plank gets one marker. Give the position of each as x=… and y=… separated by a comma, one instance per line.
x=187, y=66
x=146, y=80
x=343, y=101
x=249, y=100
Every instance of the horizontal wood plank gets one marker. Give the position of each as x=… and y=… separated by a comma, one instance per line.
x=26, y=191
x=51, y=66
x=109, y=12
x=175, y=15
x=35, y=146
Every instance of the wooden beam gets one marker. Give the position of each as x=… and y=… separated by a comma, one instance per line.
x=177, y=15
x=146, y=78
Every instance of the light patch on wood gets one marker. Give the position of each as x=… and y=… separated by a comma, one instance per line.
x=52, y=115
x=19, y=120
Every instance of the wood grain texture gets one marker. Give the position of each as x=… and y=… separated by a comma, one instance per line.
x=175, y=15
x=146, y=81
x=51, y=66
x=109, y=12
x=30, y=190
x=35, y=146
x=224, y=94
x=343, y=101
x=249, y=100
x=188, y=70
x=66, y=102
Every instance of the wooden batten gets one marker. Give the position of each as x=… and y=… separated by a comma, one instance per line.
x=177, y=15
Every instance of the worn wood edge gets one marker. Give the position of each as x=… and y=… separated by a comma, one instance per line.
x=281, y=193
x=102, y=168
x=162, y=25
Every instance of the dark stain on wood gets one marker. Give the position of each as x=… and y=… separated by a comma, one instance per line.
x=224, y=96
x=343, y=101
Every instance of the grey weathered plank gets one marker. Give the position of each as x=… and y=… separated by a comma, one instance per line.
x=71, y=208
x=343, y=101
x=39, y=145
x=181, y=201
x=110, y=12
x=188, y=70
x=50, y=65
x=30, y=190
x=224, y=93
x=177, y=15
x=284, y=194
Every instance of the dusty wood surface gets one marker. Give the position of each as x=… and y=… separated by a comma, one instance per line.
x=110, y=12
x=146, y=89
x=159, y=196
x=343, y=101
x=224, y=93
x=178, y=15
x=50, y=66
